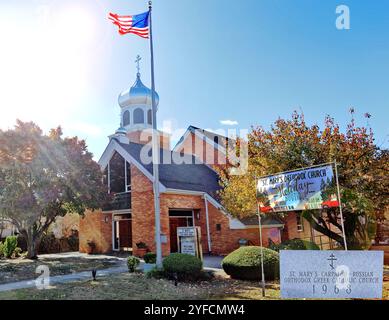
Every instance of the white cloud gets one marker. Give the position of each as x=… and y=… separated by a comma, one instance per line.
x=229, y=122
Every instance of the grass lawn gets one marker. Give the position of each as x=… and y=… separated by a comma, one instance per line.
x=128, y=286
x=24, y=269
x=136, y=286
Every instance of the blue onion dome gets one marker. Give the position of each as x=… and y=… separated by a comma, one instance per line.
x=138, y=94
x=121, y=130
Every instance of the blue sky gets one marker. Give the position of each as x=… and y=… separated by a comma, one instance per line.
x=249, y=61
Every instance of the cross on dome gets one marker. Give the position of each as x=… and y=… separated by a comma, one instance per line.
x=138, y=59
x=138, y=94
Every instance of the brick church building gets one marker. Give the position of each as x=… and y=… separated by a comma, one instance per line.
x=188, y=190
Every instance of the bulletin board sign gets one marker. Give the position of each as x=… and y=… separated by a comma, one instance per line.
x=189, y=241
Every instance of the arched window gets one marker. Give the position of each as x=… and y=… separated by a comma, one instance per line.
x=119, y=175
x=139, y=116
x=149, y=117
x=126, y=118
x=216, y=140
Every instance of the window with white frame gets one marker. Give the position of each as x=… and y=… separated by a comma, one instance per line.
x=126, y=118
x=139, y=116
x=300, y=223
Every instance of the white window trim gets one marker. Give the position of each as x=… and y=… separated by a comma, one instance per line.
x=299, y=226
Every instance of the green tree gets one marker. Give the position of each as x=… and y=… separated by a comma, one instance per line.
x=43, y=177
x=291, y=144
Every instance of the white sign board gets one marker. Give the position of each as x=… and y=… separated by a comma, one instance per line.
x=188, y=247
x=331, y=274
x=186, y=232
x=189, y=241
x=295, y=190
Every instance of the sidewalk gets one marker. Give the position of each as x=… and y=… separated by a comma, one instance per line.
x=85, y=275
x=210, y=263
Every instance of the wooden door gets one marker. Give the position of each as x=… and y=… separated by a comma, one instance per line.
x=125, y=233
x=173, y=225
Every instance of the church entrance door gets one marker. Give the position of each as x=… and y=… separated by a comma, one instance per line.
x=178, y=218
x=122, y=232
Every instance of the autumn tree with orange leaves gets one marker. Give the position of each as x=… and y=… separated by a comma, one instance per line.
x=291, y=144
x=43, y=177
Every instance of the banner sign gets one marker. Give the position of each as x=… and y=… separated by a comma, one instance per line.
x=331, y=274
x=296, y=190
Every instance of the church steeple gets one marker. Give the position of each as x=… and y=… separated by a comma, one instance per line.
x=136, y=105
x=136, y=113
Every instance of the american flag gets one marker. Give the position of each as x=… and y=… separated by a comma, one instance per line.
x=137, y=24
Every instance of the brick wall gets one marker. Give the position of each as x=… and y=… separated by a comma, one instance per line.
x=227, y=240
x=94, y=227
x=291, y=227
x=142, y=209
x=178, y=201
x=223, y=242
x=144, y=136
x=207, y=153
x=97, y=227
x=291, y=232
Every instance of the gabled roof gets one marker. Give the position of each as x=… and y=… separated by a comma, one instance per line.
x=221, y=141
x=188, y=174
x=189, y=177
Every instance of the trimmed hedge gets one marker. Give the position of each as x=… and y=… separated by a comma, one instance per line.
x=245, y=263
x=294, y=244
x=184, y=266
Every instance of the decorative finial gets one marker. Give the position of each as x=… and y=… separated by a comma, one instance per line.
x=150, y=4
x=138, y=59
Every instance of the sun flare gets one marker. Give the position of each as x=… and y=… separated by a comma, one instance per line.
x=44, y=62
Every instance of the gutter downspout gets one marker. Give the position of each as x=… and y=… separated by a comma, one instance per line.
x=207, y=221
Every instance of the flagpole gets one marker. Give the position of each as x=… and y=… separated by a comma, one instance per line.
x=155, y=150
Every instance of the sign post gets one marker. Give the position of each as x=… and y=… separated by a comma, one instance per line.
x=263, y=284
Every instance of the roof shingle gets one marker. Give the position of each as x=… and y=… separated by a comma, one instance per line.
x=186, y=174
